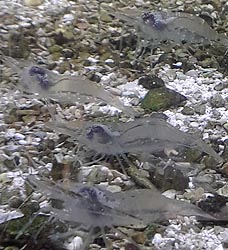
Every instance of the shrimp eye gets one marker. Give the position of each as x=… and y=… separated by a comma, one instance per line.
x=148, y=18
x=153, y=20
x=91, y=199
x=41, y=76
x=35, y=70
x=89, y=193
x=95, y=130
x=98, y=129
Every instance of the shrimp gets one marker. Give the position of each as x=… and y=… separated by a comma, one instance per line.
x=154, y=28
x=62, y=88
x=142, y=136
x=92, y=207
x=88, y=207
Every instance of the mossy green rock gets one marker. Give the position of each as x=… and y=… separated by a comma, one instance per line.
x=63, y=36
x=15, y=226
x=11, y=248
x=192, y=155
x=55, y=56
x=55, y=48
x=161, y=99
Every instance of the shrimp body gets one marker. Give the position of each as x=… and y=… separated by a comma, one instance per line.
x=149, y=135
x=95, y=207
x=154, y=28
x=62, y=88
x=144, y=135
x=90, y=206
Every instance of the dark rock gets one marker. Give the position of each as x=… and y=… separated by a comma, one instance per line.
x=166, y=58
x=51, y=65
x=15, y=202
x=168, y=178
x=213, y=203
x=161, y=99
x=64, y=66
x=210, y=162
x=209, y=62
x=64, y=36
x=217, y=101
x=159, y=115
x=187, y=64
x=207, y=18
x=55, y=48
x=151, y=82
x=94, y=77
x=225, y=152
x=130, y=246
x=87, y=63
x=200, y=109
x=224, y=63
x=68, y=53
x=99, y=241
x=187, y=111
x=192, y=155
x=125, y=65
x=224, y=169
x=30, y=208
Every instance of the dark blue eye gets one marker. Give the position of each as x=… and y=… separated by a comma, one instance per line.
x=98, y=129
x=153, y=20
x=41, y=76
x=90, y=200
x=89, y=193
x=94, y=130
x=36, y=70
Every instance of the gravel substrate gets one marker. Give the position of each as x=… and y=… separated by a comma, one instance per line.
x=82, y=38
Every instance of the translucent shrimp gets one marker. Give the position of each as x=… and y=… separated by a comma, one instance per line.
x=62, y=88
x=92, y=207
x=154, y=28
x=142, y=136
x=89, y=207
